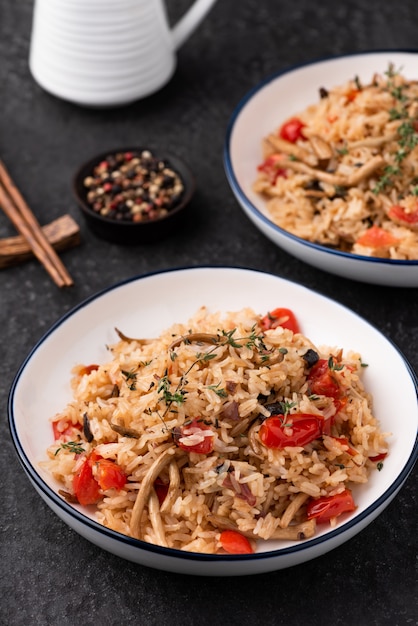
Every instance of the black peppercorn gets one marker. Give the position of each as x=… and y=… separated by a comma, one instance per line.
x=133, y=186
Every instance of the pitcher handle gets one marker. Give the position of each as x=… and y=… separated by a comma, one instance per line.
x=190, y=21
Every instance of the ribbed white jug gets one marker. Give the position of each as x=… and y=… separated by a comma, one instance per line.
x=107, y=52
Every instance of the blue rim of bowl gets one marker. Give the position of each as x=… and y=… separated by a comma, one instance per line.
x=239, y=192
x=172, y=552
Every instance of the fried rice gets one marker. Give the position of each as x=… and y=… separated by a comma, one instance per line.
x=216, y=378
x=349, y=178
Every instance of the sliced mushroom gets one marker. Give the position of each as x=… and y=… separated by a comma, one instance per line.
x=293, y=149
x=174, y=475
x=292, y=509
x=297, y=532
x=155, y=519
x=304, y=530
x=365, y=171
x=86, y=428
x=68, y=497
x=125, y=432
x=372, y=142
x=323, y=151
x=253, y=440
x=145, y=489
x=268, y=357
x=198, y=338
x=124, y=337
x=326, y=177
x=362, y=172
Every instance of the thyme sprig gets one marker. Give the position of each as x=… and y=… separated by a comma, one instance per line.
x=130, y=378
x=253, y=341
x=72, y=446
x=407, y=133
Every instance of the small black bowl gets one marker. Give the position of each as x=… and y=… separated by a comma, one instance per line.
x=126, y=231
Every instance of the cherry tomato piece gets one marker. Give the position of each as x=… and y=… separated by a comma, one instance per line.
x=344, y=441
x=321, y=381
x=271, y=167
x=109, y=475
x=376, y=237
x=401, y=216
x=195, y=438
x=352, y=94
x=65, y=429
x=280, y=317
x=235, y=543
x=378, y=457
x=88, y=369
x=292, y=130
x=325, y=508
x=298, y=429
x=86, y=488
x=161, y=489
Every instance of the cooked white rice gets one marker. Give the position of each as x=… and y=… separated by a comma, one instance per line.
x=226, y=382
x=354, y=168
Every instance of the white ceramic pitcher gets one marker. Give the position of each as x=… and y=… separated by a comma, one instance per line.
x=107, y=52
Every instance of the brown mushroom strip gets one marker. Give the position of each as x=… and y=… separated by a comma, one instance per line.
x=322, y=149
x=145, y=489
x=361, y=173
x=281, y=145
x=268, y=357
x=326, y=177
x=86, y=428
x=365, y=171
x=155, y=519
x=125, y=432
x=304, y=530
x=199, y=338
x=68, y=497
x=372, y=142
x=241, y=427
x=253, y=441
x=124, y=337
x=292, y=509
x=269, y=498
x=226, y=524
x=174, y=475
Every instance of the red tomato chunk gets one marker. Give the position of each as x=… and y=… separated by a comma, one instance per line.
x=95, y=475
x=271, y=167
x=292, y=130
x=322, y=382
x=196, y=438
x=280, y=317
x=235, y=543
x=325, y=508
x=298, y=429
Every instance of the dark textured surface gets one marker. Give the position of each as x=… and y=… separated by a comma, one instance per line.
x=48, y=574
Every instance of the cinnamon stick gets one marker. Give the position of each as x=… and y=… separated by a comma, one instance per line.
x=15, y=207
x=63, y=233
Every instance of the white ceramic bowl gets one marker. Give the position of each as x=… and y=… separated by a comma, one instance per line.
x=262, y=110
x=144, y=303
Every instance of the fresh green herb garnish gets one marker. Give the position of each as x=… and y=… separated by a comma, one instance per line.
x=72, y=446
x=220, y=391
x=407, y=133
x=166, y=395
x=130, y=378
x=333, y=365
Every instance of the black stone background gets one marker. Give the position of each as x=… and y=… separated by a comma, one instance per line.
x=49, y=575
